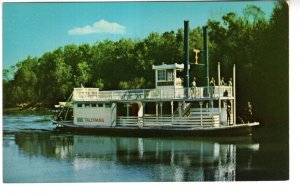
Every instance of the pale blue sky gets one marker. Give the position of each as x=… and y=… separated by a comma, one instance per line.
x=35, y=28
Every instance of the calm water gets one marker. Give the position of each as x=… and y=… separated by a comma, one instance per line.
x=33, y=153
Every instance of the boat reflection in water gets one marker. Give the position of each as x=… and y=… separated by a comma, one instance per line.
x=144, y=159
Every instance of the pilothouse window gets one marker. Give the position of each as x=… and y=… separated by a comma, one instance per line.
x=161, y=75
x=170, y=76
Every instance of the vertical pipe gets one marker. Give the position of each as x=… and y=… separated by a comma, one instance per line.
x=219, y=78
x=219, y=81
x=186, y=57
x=127, y=109
x=156, y=112
x=174, y=77
x=180, y=108
x=156, y=78
x=234, y=98
x=201, y=112
x=205, y=48
x=161, y=109
x=172, y=108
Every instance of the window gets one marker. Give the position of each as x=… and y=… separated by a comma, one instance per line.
x=107, y=105
x=170, y=76
x=100, y=105
x=161, y=75
x=87, y=105
x=94, y=105
x=79, y=105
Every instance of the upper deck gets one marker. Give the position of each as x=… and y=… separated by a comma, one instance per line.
x=168, y=87
x=198, y=93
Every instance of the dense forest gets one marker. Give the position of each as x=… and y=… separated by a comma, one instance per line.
x=258, y=46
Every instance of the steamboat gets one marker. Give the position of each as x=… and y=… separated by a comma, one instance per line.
x=172, y=108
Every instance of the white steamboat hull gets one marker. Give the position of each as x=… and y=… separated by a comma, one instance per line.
x=231, y=130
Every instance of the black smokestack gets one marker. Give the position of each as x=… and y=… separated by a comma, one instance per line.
x=186, y=55
x=205, y=48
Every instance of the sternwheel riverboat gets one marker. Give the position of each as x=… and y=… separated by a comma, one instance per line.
x=171, y=108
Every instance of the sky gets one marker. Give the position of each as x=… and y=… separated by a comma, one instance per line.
x=31, y=29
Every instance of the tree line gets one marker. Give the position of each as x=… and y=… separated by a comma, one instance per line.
x=258, y=46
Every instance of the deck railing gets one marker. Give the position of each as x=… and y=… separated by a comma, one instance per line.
x=93, y=94
x=204, y=121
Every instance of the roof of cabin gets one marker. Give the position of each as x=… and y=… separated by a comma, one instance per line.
x=168, y=66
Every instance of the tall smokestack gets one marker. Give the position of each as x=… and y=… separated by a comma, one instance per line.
x=186, y=56
x=205, y=48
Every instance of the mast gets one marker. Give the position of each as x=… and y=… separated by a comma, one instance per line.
x=219, y=83
x=234, y=98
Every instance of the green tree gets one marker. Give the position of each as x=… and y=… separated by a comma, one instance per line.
x=82, y=75
x=274, y=68
x=102, y=56
x=25, y=81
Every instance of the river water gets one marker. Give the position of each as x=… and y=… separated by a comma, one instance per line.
x=33, y=152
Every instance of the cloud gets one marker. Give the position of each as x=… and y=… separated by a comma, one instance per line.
x=101, y=26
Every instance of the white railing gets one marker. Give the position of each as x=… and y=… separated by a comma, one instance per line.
x=204, y=111
x=93, y=94
x=220, y=91
x=204, y=121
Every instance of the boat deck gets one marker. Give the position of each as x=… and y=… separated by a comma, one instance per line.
x=150, y=95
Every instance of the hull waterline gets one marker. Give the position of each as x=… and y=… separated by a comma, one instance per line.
x=232, y=130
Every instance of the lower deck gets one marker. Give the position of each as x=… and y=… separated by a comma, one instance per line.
x=155, y=118
x=152, y=114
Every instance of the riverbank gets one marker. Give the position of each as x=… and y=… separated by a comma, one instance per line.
x=42, y=110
